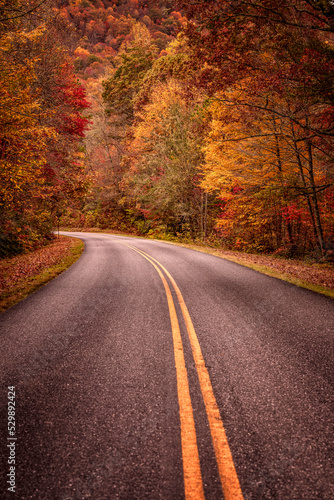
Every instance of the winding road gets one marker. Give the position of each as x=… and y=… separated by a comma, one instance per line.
x=152, y=371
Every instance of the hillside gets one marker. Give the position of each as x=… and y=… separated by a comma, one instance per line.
x=103, y=26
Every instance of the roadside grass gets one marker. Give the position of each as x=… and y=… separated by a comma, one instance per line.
x=286, y=277
x=26, y=273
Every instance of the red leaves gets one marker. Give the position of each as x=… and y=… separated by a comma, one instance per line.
x=293, y=213
x=73, y=125
x=70, y=98
x=71, y=94
x=48, y=172
x=237, y=189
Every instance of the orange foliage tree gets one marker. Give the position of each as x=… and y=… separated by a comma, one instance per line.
x=267, y=66
x=41, y=127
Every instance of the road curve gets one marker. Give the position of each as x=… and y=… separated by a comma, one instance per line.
x=151, y=371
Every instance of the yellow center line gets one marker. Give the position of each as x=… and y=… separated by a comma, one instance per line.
x=193, y=484
x=227, y=472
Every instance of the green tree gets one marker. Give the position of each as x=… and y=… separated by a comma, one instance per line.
x=165, y=160
x=132, y=63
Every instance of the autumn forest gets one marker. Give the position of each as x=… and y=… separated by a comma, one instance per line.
x=197, y=120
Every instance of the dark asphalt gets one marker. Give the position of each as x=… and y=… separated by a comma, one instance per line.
x=91, y=357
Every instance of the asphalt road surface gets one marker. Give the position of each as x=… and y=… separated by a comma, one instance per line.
x=152, y=371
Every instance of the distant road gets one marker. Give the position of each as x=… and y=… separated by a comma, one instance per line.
x=152, y=371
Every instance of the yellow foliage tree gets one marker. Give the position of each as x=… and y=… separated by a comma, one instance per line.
x=279, y=170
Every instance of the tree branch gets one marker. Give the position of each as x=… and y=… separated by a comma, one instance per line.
x=22, y=14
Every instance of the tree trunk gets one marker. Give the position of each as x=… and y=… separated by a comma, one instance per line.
x=204, y=214
x=302, y=175
x=314, y=198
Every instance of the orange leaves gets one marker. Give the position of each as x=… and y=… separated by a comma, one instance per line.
x=40, y=124
x=259, y=145
x=16, y=272
x=22, y=142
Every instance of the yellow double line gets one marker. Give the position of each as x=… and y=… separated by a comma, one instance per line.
x=193, y=483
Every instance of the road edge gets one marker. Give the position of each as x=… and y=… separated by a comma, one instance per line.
x=263, y=269
x=34, y=283
x=259, y=268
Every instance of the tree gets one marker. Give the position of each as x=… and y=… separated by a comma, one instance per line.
x=164, y=165
x=267, y=155
x=238, y=42
x=41, y=128
x=133, y=62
